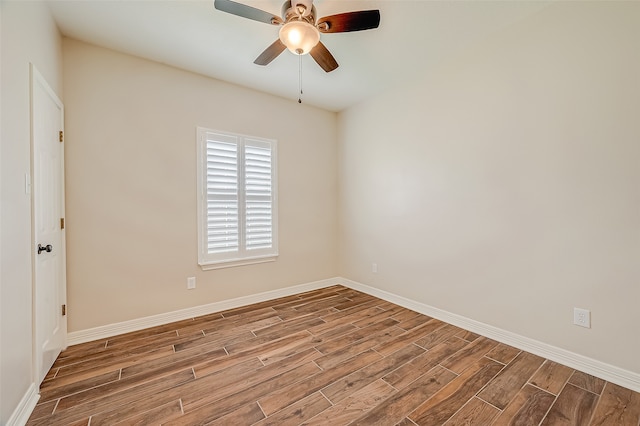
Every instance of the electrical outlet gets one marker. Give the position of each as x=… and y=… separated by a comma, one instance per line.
x=582, y=317
x=191, y=283
x=374, y=268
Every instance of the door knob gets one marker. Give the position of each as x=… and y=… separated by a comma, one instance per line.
x=46, y=248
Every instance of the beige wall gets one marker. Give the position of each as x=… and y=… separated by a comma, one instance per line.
x=505, y=186
x=131, y=186
x=28, y=36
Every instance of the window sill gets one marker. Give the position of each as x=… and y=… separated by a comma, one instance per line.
x=234, y=263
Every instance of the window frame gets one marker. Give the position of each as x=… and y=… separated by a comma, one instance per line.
x=241, y=256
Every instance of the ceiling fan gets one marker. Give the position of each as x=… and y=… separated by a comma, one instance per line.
x=300, y=31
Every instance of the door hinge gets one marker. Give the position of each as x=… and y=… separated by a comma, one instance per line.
x=62, y=223
x=61, y=136
x=64, y=310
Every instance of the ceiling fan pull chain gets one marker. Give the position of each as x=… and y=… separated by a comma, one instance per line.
x=300, y=78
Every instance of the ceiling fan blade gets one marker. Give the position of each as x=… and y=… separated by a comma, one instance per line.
x=323, y=57
x=245, y=11
x=350, y=21
x=270, y=53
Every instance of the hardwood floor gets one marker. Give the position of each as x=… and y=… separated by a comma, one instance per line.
x=332, y=356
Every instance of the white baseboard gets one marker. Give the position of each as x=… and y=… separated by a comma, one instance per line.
x=110, y=330
x=23, y=411
x=610, y=373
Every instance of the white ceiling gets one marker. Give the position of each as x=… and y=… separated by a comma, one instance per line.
x=414, y=36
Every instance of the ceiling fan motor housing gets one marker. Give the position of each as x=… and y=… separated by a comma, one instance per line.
x=305, y=6
x=299, y=10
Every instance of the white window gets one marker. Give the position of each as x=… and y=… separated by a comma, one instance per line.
x=237, y=199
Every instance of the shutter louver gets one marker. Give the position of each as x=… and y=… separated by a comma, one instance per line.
x=258, y=197
x=222, y=197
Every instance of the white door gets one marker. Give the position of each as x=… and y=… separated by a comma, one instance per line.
x=48, y=224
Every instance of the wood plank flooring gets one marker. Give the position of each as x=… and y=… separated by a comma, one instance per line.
x=332, y=356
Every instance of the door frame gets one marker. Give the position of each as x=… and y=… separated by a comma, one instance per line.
x=36, y=78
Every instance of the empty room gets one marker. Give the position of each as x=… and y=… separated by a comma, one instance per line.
x=385, y=212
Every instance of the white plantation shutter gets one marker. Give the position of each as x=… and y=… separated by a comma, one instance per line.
x=237, y=203
x=222, y=197
x=258, y=196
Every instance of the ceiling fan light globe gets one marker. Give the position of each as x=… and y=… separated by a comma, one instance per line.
x=299, y=37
